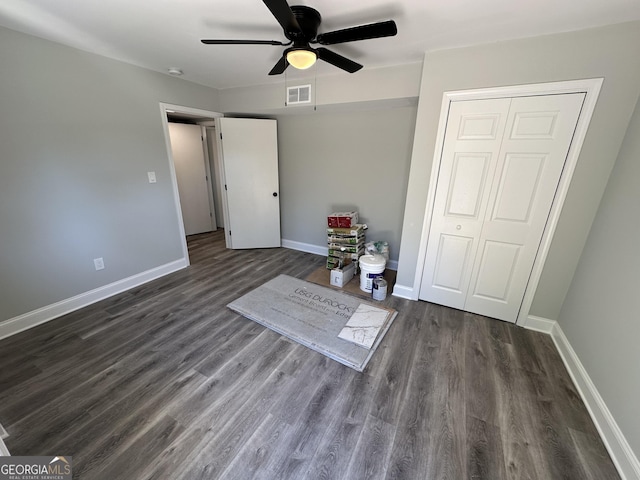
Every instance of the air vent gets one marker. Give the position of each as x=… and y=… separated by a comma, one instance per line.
x=299, y=94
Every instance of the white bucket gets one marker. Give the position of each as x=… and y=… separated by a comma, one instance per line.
x=371, y=266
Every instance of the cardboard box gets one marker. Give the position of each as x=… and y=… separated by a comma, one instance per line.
x=342, y=219
x=346, y=248
x=352, y=255
x=341, y=276
x=332, y=263
x=336, y=262
x=339, y=260
x=357, y=230
x=345, y=239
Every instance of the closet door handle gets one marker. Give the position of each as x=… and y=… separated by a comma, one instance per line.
x=458, y=227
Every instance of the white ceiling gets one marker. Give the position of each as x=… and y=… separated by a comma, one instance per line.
x=159, y=34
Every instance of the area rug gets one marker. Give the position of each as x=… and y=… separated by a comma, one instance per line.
x=327, y=321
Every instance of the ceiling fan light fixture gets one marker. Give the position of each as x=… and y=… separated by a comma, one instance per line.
x=301, y=58
x=300, y=25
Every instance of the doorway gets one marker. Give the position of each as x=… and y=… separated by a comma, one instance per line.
x=246, y=175
x=195, y=188
x=191, y=116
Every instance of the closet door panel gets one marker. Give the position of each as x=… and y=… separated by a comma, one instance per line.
x=537, y=139
x=469, y=158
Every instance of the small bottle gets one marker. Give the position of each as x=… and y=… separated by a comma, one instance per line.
x=379, y=288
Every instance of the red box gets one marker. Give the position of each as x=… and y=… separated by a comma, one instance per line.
x=342, y=219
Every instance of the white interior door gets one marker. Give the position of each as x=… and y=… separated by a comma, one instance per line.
x=249, y=163
x=188, y=158
x=501, y=164
x=470, y=152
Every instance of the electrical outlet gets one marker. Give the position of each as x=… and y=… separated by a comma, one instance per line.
x=152, y=177
x=99, y=263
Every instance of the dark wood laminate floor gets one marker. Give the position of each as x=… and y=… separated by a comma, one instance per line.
x=164, y=382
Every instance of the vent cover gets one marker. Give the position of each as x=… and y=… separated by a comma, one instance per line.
x=299, y=94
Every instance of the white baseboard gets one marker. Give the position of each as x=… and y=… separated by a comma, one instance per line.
x=404, y=292
x=4, y=451
x=623, y=457
x=539, y=324
x=36, y=317
x=305, y=247
x=322, y=250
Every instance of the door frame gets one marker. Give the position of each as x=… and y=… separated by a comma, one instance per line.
x=166, y=108
x=222, y=179
x=210, y=137
x=591, y=89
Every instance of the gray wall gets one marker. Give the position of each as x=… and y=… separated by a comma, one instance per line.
x=600, y=314
x=611, y=52
x=78, y=133
x=341, y=161
x=398, y=85
x=352, y=153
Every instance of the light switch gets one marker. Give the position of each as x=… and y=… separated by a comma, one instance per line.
x=152, y=177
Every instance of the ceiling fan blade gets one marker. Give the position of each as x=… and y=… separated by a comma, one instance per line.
x=243, y=42
x=284, y=15
x=338, y=60
x=362, y=32
x=280, y=67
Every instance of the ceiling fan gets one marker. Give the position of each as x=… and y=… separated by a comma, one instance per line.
x=300, y=25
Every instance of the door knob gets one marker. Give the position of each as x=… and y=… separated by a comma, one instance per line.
x=458, y=227
x=275, y=194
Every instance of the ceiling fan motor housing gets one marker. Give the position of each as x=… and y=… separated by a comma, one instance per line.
x=309, y=20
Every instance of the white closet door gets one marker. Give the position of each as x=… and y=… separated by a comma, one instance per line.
x=469, y=156
x=493, y=199
x=537, y=139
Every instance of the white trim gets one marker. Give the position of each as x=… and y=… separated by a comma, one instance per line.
x=305, y=247
x=592, y=90
x=36, y=317
x=172, y=169
x=431, y=197
x=403, y=291
x=222, y=184
x=616, y=444
x=4, y=451
x=322, y=251
x=550, y=88
x=591, y=87
x=207, y=169
x=539, y=324
x=621, y=453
